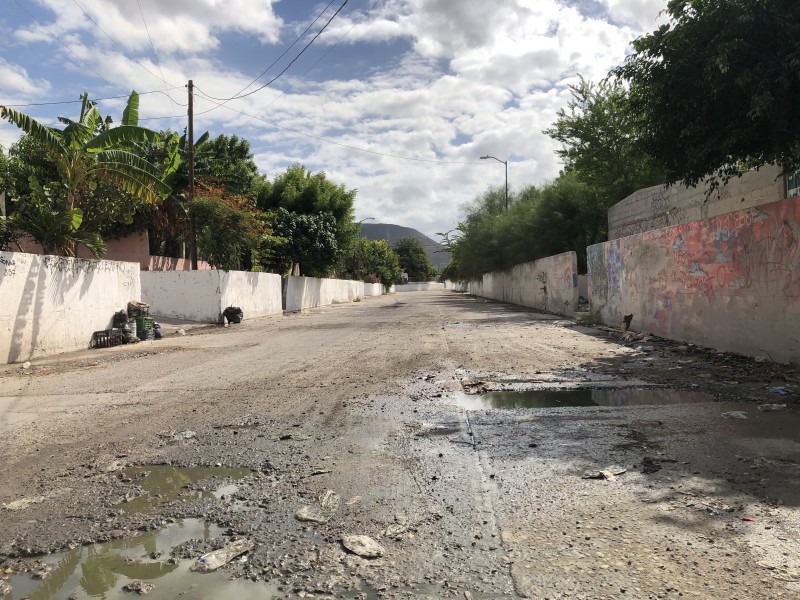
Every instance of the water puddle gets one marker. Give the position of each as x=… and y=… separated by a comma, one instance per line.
x=506, y=400
x=101, y=570
x=165, y=483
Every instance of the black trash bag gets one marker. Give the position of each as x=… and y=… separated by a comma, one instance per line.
x=233, y=314
x=120, y=319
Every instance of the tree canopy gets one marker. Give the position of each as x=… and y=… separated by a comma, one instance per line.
x=413, y=259
x=373, y=262
x=715, y=90
x=90, y=176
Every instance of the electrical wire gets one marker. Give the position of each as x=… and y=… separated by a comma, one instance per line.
x=335, y=143
x=314, y=64
x=121, y=49
x=97, y=99
x=274, y=62
x=155, y=54
x=63, y=45
x=271, y=81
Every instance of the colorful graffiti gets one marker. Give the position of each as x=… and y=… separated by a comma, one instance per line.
x=725, y=268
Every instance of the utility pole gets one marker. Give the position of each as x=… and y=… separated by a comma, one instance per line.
x=190, y=156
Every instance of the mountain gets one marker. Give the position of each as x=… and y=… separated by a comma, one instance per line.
x=391, y=233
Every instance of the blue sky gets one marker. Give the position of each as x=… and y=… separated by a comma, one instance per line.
x=397, y=98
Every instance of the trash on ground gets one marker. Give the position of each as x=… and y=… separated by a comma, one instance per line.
x=218, y=558
x=609, y=473
x=750, y=519
x=779, y=391
x=233, y=314
x=321, y=512
x=363, y=546
x=768, y=407
x=140, y=587
x=735, y=414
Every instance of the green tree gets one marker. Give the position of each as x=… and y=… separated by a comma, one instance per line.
x=597, y=142
x=229, y=161
x=413, y=260
x=372, y=262
x=300, y=191
x=229, y=228
x=716, y=88
x=307, y=241
x=85, y=152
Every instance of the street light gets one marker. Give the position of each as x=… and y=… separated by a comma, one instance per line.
x=505, y=162
x=367, y=219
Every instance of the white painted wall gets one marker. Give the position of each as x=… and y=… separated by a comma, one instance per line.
x=549, y=284
x=51, y=304
x=373, y=289
x=425, y=286
x=202, y=295
x=310, y=292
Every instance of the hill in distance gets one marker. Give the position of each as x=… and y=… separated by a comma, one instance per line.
x=391, y=233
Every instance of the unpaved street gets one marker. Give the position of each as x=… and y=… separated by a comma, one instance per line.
x=288, y=435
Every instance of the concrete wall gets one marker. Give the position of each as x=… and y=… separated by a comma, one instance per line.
x=373, y=289
x=310, y=292
x=657, y=207
x=549, y=284
x=424, y=286
x=203, y=295
x=731, y=282
x=53, y=304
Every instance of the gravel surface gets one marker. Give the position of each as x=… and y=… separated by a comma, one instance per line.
x=335, y=441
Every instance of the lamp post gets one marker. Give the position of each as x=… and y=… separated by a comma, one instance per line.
x=505, y=162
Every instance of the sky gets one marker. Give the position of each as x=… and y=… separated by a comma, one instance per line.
x=395, y=98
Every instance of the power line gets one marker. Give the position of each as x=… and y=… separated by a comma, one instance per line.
x=335, y=143
x=121, y=49
x=314, y=64
x=155, y=54
x=274, y=62
x=271, y=81
x=67, y=48
x=96, y=99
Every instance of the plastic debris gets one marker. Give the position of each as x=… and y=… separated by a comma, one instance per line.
x=219, y=558
x=735, y=414
x=768, y=407
x=609, y=473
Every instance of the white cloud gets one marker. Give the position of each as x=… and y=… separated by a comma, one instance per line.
x=477, y=78
x=14, y=80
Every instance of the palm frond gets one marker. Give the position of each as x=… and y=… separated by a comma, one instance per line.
x=120, y=136
x=130, y=116
x=47, y=136
x=140, y=184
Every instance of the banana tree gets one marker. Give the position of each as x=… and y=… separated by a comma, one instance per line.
x=87, y=151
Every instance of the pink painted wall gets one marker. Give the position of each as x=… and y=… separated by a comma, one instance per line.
x=168, y=263
x=730, y=282
x=132, y=248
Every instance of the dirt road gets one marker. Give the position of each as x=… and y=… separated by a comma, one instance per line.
x=383, y=419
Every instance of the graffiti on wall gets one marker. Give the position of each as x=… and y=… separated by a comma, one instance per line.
x=736, y=266
x=13, y=264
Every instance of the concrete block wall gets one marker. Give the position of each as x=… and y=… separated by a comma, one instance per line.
x=731, y=282
x=53, y=304
x=373, y=289
x=202, y=295
x=423, y=286
x=657, y=207
x=310, y=292
x=549, y=284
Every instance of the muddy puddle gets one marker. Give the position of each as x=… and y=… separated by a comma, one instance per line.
x=164, y=483
x=507, y=399
x=102, y=570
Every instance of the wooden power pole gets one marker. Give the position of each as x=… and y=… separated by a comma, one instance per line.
x=190, y=157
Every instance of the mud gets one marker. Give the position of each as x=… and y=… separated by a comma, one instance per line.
x=479, y=504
